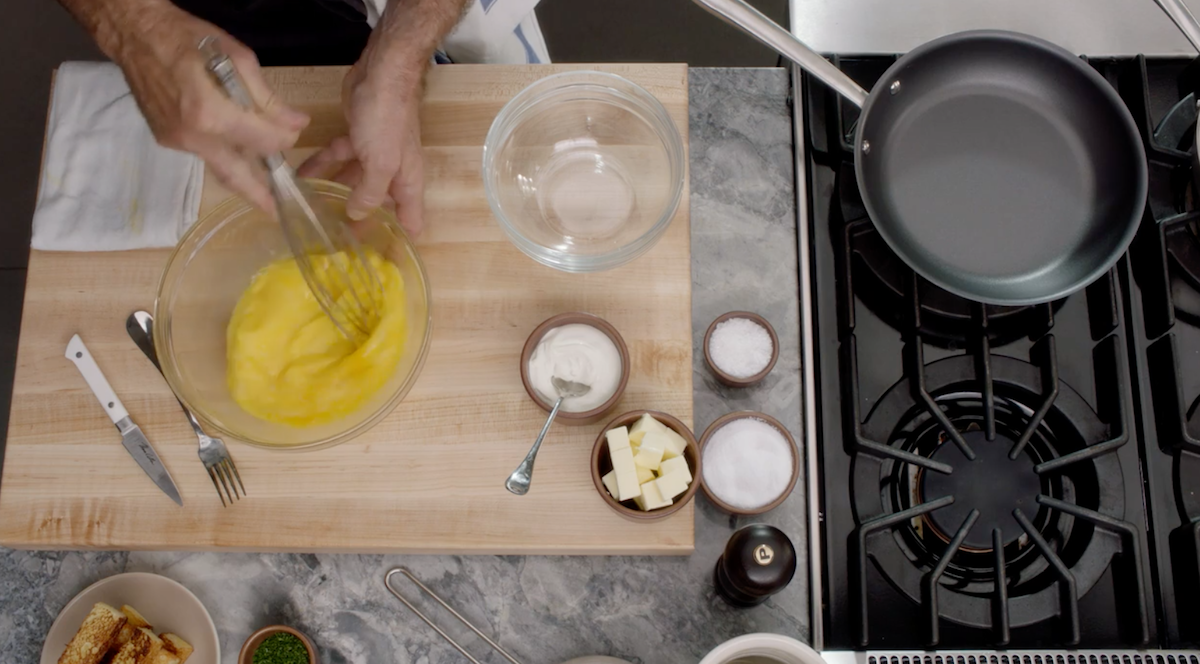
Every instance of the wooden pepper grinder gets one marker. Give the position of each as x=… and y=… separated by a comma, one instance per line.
x=759, y=561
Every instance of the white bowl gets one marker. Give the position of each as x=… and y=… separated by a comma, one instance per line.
x=168, y=606
x=769, y=647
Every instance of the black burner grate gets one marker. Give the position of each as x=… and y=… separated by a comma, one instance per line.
x=1165, y=301
x=996, y=583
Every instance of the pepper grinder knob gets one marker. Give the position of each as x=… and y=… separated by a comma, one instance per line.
x=759, y=561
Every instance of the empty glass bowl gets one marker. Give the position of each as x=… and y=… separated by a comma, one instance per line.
x=584, y=170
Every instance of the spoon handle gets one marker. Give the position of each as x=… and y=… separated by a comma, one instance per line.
x=518, y=482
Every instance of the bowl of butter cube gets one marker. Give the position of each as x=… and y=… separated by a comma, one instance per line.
x=646, y=465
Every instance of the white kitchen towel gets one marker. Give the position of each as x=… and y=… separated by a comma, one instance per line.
x=491, y=32
x=105, y=184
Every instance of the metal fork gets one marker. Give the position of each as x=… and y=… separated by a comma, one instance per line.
x=216, y=459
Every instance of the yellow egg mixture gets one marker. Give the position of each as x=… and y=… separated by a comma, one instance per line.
x=287, y=361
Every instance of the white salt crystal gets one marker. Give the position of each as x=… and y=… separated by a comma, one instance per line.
x=740, y=347
x=747, y=463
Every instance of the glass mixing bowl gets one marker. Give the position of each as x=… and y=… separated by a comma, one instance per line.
x=205, y=277
x=584, y=170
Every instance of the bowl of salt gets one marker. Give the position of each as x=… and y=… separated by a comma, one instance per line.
x=749, y=463
x=740, y=348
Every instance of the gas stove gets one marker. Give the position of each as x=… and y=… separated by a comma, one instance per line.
x=1007, y=478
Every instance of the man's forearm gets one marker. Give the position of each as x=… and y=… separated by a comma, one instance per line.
x=407, y=35
x=110, y=22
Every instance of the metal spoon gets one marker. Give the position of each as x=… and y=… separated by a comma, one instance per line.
x=518, y=482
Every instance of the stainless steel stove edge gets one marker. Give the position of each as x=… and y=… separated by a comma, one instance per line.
x=808, y=387
x=1114, y=656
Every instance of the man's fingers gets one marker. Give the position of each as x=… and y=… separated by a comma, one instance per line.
x=247, y=129
x=370, y=192
x=408, y=190
x=268, y=103
x=239, y=174
x=324, y=162
x=351, y=174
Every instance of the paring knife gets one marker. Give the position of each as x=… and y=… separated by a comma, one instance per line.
x=131, y=435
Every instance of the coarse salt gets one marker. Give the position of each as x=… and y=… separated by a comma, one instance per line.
x=740, y=347
x=747, y=463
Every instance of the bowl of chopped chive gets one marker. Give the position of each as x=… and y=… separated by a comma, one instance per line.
x=277, y=644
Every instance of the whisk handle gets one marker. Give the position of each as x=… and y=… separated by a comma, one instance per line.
x=221, y=67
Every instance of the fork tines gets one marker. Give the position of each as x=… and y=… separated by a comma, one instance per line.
x=223, y=474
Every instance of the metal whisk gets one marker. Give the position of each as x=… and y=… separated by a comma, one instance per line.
x=328, y=254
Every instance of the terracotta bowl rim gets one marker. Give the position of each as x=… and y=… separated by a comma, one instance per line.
x=676, y=425
x=246, y=654
x=733, y=381
x=569, y=318
x=740, y=415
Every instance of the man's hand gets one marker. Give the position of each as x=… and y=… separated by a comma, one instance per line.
x=155, y=44
x=381, y=157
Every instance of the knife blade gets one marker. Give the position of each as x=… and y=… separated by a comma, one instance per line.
x=132, y=438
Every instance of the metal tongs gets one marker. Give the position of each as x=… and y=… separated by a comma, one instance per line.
x=328, y=254
x=387, y=581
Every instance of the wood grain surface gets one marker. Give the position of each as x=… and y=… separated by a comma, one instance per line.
x=429, y=478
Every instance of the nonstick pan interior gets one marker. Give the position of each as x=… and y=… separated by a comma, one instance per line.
x=1001, y=167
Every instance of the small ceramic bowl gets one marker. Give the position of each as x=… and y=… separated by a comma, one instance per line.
x=726, y=419
x=734, y=381
x=588, y=416
x=246, y=656
x=601, y=464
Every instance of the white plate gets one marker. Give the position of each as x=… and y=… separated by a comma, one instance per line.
x=167, y=605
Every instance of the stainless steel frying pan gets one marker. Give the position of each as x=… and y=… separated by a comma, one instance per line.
x=997, y=165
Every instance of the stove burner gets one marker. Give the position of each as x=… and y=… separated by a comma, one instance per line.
x=991, y=483
x=997, y=529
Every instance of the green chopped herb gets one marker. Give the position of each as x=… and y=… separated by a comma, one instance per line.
x=281, y=648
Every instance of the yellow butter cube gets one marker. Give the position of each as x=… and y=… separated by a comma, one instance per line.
x=676, y=465
x=646, y=423
x=675, y=445
x=651, y=498
x=617, y=438
x=649, y=456
x=626, y=470
x=672, y=484
x=610, y=482
x=643, y=474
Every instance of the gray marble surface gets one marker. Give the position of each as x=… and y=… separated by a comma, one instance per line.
x=543, y=609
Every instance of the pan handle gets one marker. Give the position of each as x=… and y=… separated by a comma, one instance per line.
x=1183, y=19
x=741, y=15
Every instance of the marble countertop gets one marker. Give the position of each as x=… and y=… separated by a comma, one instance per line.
x=659, y=610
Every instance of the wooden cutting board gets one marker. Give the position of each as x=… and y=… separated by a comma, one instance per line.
x=429, y=478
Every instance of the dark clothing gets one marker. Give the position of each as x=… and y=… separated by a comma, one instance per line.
x=290, y=32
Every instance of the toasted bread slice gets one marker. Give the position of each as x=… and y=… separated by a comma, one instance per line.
x=141, y=649
x=177, y=646
x=98, y=630
x=164, y=656
x=135, y=620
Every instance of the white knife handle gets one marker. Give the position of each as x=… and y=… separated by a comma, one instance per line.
x=78, y=353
